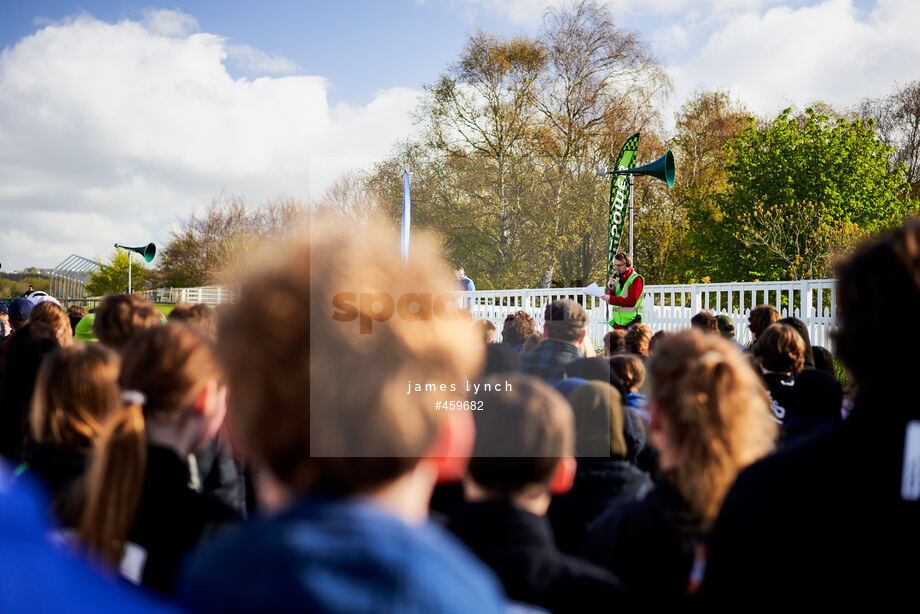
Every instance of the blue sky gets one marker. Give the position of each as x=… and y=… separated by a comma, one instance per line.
x=361, y=46
x=119, y=118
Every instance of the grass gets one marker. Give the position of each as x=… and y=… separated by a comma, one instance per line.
x=841, y=374
x=165, y=308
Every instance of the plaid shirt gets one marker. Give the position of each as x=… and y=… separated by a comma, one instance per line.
x=548, y=360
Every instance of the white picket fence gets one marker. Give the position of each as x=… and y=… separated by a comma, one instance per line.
x=670, y=307
x=666, y=307
x=209, y=295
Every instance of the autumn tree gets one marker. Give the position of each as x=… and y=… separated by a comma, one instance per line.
x=478, y=119
x=513, y=133
x=897, y=121
x=223, y=238
x=347, y=202
x=687, y=217
x=601, y=85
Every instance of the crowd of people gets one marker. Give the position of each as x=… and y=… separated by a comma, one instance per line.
x=269, y=457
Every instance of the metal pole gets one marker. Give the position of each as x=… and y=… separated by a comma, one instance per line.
x=632, y=254
x=610, y=243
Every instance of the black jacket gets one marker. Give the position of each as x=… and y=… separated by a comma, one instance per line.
x=22, y=356
x=221, y=476
x=650, y=545
x=823, y=521
x=171, y=518
x=601, y=484
x=60, y=469
x=519, y=547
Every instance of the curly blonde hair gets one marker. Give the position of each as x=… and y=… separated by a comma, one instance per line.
x=715, y=416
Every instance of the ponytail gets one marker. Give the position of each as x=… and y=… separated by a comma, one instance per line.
x=115, y=483
x=163, y=370
x=717, y=415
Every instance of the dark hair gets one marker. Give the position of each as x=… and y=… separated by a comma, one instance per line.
x=199, y=316
x=705, y=322
x=517, y=327
x=824, y=361
x=22, y=356
x=781, y=348
x=760, y=318
x=599, y=421
x=726, y=326
x=625, y=257
x=800, y=327
x=613, y=340
x=595, y=369
x=882, y=273
x=565, y=320
x=630, y=369
x=502, y=358
x=656, y=339
x=76, y=313
x=521, y=434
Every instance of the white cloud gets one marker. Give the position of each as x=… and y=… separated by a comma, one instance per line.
x=169, y=23
x=108, y=132
x=252, y=60
x=673, y=36
x=829, y=51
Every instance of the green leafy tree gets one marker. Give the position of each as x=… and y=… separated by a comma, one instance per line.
x=840, y=166
x=113, y=277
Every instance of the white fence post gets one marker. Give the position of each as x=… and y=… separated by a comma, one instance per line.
x=696, y=302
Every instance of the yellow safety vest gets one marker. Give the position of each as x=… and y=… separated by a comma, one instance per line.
x=625, y=315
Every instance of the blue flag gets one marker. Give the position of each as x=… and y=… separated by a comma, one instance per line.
x=406, y=218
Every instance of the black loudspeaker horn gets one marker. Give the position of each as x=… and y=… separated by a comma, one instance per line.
x=148, y=251
x=662, y=168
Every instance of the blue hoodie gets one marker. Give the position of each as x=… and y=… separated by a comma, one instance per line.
x=339, y=556
x=36, y=577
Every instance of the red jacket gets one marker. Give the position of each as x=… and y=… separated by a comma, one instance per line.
x=633, y=292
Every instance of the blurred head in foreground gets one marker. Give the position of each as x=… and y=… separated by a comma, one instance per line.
x=354, y=351
x=121, y=316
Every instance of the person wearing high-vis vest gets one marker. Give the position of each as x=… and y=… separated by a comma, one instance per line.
x=624, y=293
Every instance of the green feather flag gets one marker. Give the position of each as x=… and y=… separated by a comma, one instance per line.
x=619, y=198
